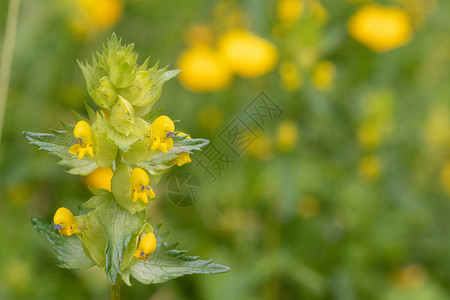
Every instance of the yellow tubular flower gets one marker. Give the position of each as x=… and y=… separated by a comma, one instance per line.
x=246, y=54
x=83, y=140
x=162, y=132
x=100, y=178
x=287, y=136
x=203, y=70
x=289, y=11
x=65, y=222
x=380, y=28
x=323, y=75
x=140, y=188
x=147, y=246
x=183, y=158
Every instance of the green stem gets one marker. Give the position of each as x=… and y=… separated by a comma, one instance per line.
x=7, y=55
x=115, y=289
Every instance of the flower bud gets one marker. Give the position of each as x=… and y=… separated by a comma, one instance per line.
x=122, y=116
x=105, y=95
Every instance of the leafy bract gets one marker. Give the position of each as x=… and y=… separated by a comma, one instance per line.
x=119, y=226
x=167, y=263
x=58, y=143
x=69, y=249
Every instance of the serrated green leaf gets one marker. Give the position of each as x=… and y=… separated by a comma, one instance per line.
x=119, y=226
x=93, y=238
x=69, y=249
x=58, y=144
x=167, y=263
x=160, y=162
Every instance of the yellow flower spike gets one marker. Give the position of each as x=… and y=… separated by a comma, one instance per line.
x=140, y=188
x=65, y=222
x=380, y=28
x=183, y=158
x=83, y=140
x=162, y=132
x=323, y=75
x=147, y=246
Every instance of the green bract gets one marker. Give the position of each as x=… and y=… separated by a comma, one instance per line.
x=116, y=135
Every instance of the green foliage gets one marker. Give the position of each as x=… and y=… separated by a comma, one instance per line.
x=69, y=250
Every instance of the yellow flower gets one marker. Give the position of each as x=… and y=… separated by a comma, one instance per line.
x=287, y=136
x=380, y=28
x=289, y=11
x=318, y=11
x=246, y=54
x=369, y=135
x=140, y=188
x=162, y=132
x=65, y=222
x=100, y=178
x=369, y=167
x=203, y=69
x=261, y=148
x=290, y=76
x=323, y=75
x=83, y=140
x=183, y=158
x=94, y=16
x=147, y=246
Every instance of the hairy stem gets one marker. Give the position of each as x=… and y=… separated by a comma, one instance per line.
x=115, y=289
x=7, y=55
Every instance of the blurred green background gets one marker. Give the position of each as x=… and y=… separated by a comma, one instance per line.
x=345, y=196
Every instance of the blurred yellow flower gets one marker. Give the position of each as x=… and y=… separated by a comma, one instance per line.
x=261, y=148
x=318, y=11
x=380, y=28
x=289, y=11
x=246, y=54
x=100, y=178
x=147, y=246
x=323, y=75
x=409, y=277
x=370, y=167
x=437, y=129
x=65, y=222
x=96, y=15
x=445, y=177
x=369, y=135
x=308, y=207
x=287, y=136
x=203, y=69
x=290, y=76
x=210, y=118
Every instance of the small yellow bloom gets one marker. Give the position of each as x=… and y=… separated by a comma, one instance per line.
x=323, y=75
x=380, y=28
x=369, y=135
x=246, y=54
x=290, y=76
x=369, y=167
x=162, y=132
x=100, y=178
x=318, y=11
x=287, y=136
x=65, y=222
x=261, y=148
x=140, y=188
x=83, y=140
x=183, y=158
x=147, y=246
x=289, y=11
x=203, y=69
